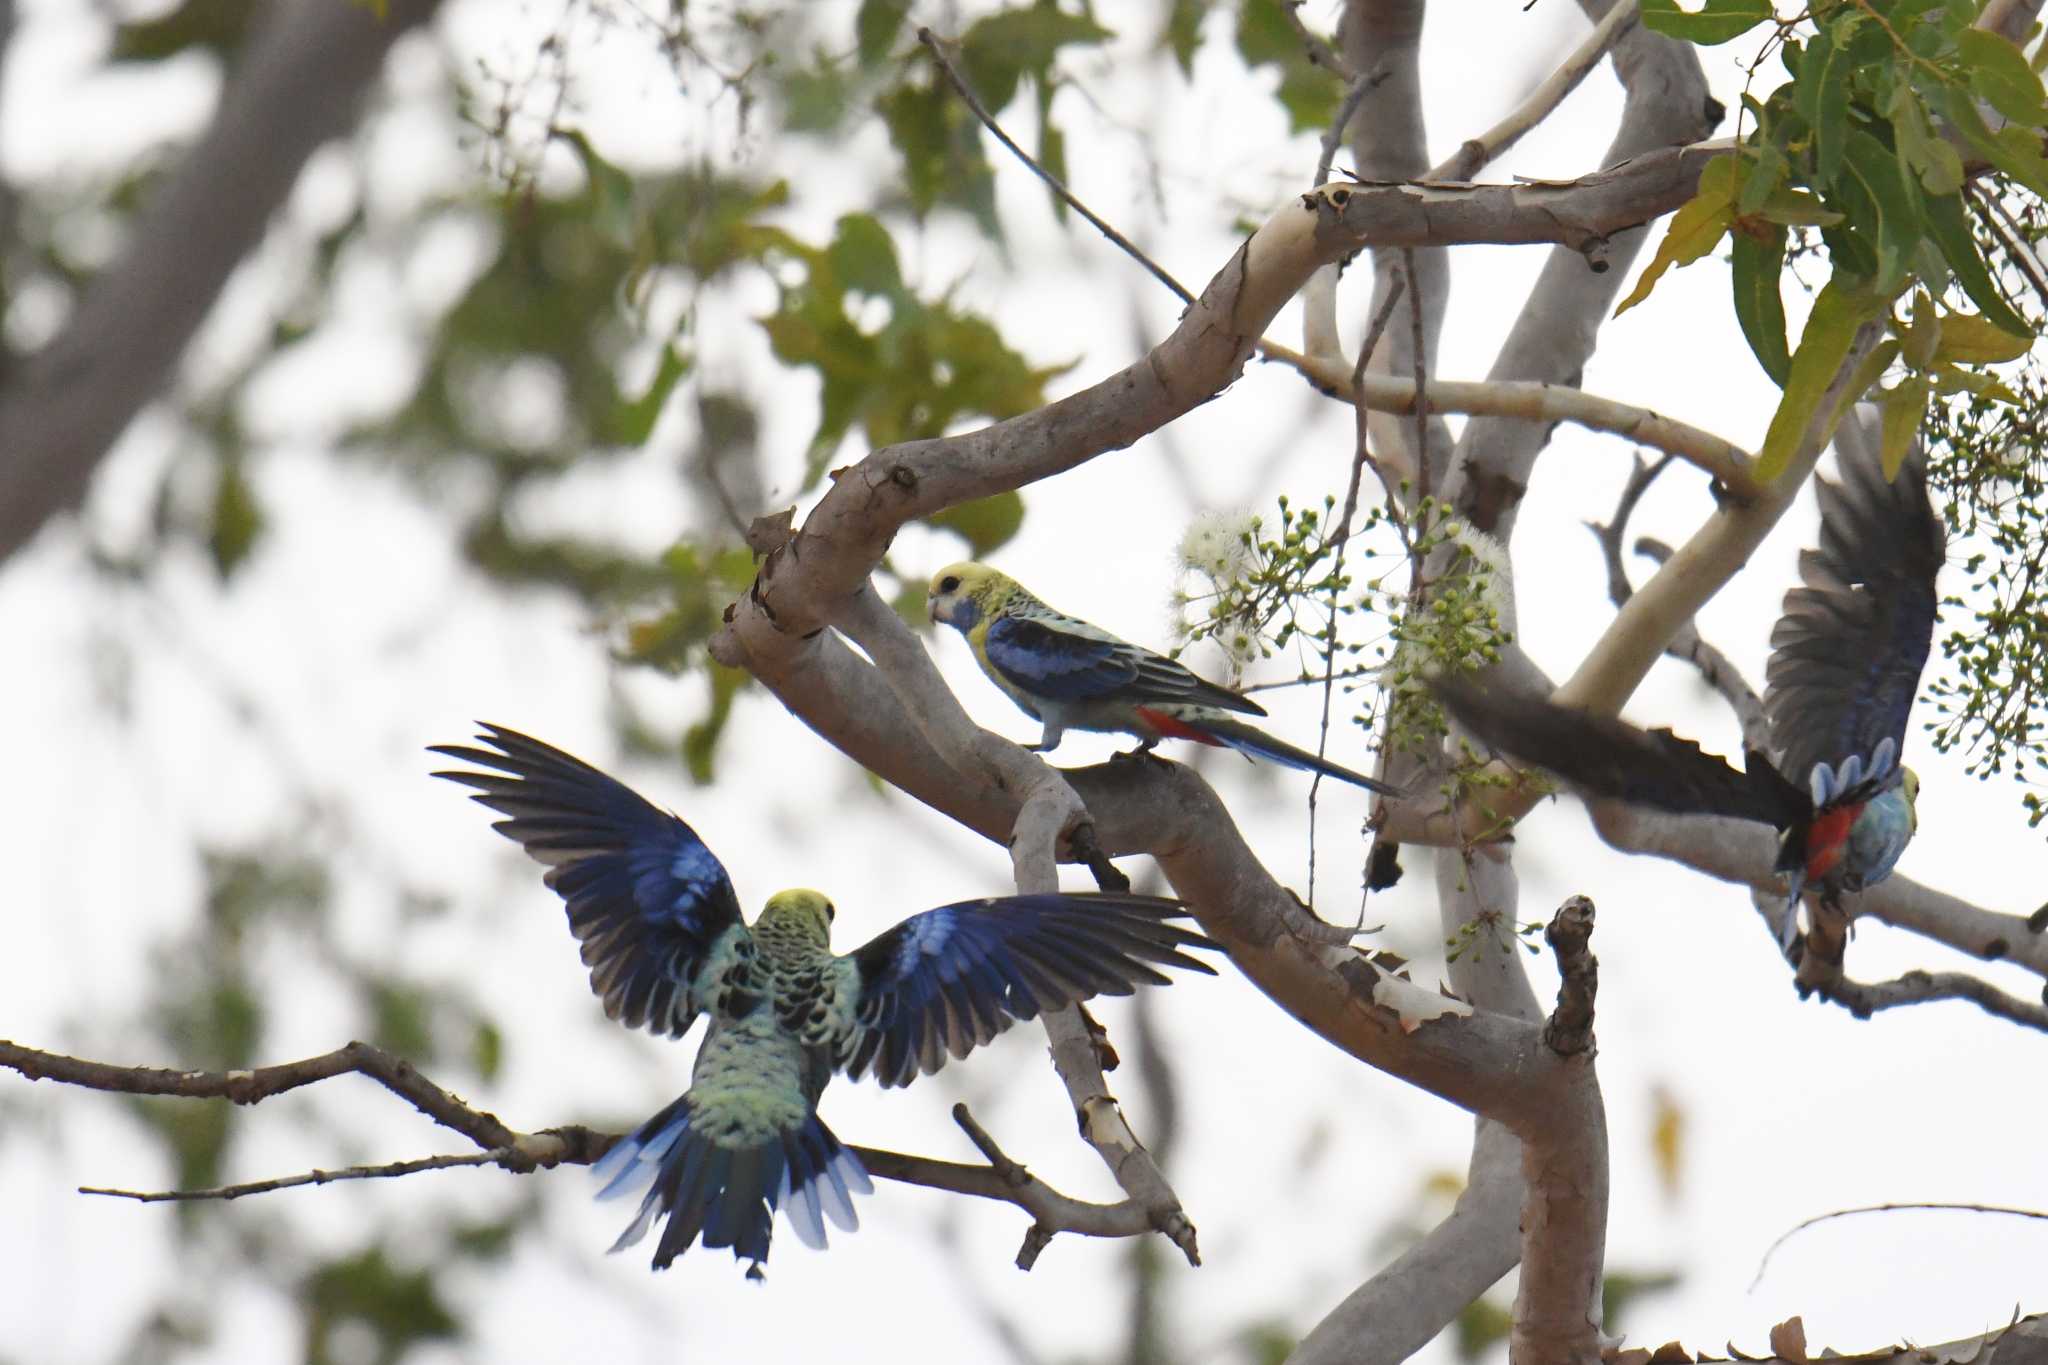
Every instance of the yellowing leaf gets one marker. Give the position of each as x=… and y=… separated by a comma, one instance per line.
x=1830, y=328
x=1967, y=339
x=1900, y=416
x=1667, y=1139
x=1695, y=229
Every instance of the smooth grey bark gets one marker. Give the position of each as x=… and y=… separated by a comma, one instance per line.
x=295, y=87
x=1666, y=104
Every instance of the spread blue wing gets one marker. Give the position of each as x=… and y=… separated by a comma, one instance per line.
x=945, y=981
x=1848, y=651
x=1074, y=662
x=649, y=902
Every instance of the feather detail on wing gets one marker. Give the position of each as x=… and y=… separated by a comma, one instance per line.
x=945, y=981
x=651, y=905
x=1067, y=660
x=1848, y=651
x=1612, y=758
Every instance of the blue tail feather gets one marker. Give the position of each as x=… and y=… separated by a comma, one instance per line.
x=1256, y=744
x=726, y=1196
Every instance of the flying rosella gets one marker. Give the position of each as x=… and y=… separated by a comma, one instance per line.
x=661, y=931
x=1846, y=659
x=1069, y=675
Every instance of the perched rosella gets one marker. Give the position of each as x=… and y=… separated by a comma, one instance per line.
x=1069, y=675
x=1846, y=659
x=661, y=931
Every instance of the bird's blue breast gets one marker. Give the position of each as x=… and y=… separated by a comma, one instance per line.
x=1882, y=830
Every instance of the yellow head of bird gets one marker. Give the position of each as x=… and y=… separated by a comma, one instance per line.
x=802, y=912
x=1910, y=780
x=965, y=593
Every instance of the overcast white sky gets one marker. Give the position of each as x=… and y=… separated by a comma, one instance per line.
x=360, y=639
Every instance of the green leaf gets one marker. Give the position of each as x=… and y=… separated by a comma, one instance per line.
x=2018, y=155
x=1921, y=335
x=700, y=741
x=1183, y=31
x=1308, y=93
x=1883, y=204
x=944, y=161
x=864, y=256
x=1797, y=208
x=237, y=521
x=876, y=26
x=987, y=524
x=1759, y=304
x=630, y=424
x=1715, y=22
x=1765, y=170
x=486, y=1049
x=1967, y=339
x=1821, y=93
x=1938, y=165
x=1900, y=414
x=1948, y=224
x=2000, y=76
x=1830, y=330
x=1696, y=228
x=997, y=52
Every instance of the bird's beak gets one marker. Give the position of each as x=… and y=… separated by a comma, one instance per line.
x=935, y=608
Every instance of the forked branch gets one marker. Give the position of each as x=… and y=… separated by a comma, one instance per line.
x=1001, y=1179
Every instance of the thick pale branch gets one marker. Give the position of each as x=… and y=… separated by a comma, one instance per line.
x=295, y=85
x=1727, y=462
x=1559, y=323
x=1564, y=1165
x=1402, y=1308
x=1687, y=646
x=1703, y=565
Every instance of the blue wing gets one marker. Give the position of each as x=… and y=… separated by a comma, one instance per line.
x=950, y=979
x=1072, y=661
x=1846, y=656
x=651, y=905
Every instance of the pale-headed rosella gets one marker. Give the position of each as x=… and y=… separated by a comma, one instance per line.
x=663, y=937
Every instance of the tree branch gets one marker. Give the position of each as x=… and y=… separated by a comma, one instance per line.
x=937, y=48
x=1727, y=462
x=1687, y=646
x=1564, y=1165
x=1640, y=631
x=294, y=87
x=1002, y=1179
x=1475, y=153
x=1666, y=103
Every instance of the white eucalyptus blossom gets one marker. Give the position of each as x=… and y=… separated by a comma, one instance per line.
x=1217, y=546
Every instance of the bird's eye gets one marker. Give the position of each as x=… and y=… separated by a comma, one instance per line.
x=830, y=912
x=950, y=583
